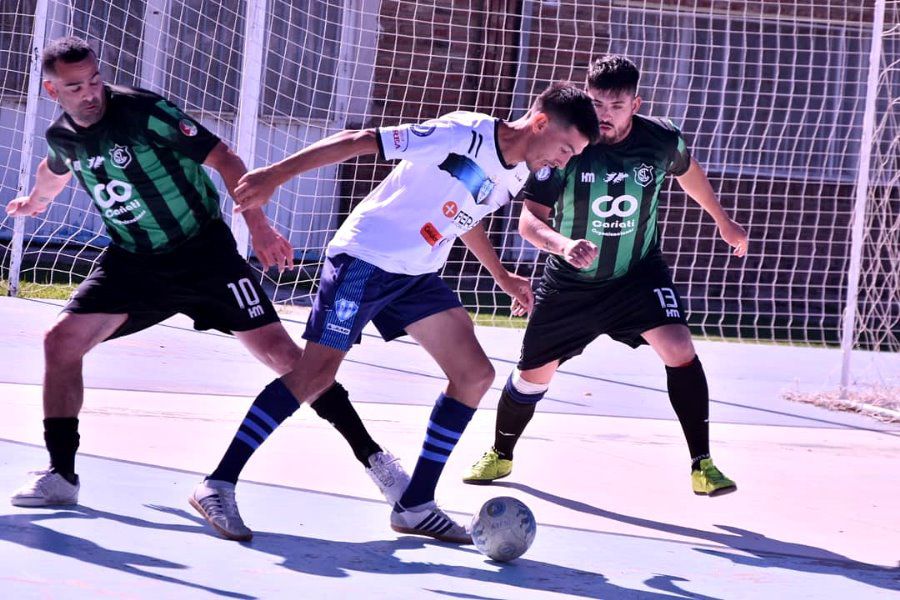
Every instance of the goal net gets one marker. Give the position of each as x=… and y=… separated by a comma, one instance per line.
x=770, y=95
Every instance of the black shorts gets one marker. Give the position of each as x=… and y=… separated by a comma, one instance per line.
x=565, y=321
x=205, y=279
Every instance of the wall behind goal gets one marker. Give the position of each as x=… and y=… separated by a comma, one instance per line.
x=771, y=97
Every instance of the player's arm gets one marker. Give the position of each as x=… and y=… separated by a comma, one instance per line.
x=519, y=288
x=534, y=226
x=696, y=185
x=47, y=186
x=257, y=186
x=269, y=246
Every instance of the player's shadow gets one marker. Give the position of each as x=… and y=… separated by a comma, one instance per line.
x=329, y=558
x=755, y=549
x=24, y=529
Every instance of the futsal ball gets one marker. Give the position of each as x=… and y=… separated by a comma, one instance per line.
x=503, y=529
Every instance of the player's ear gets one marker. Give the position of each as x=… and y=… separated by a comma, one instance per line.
x=539, y=122
x=636, y=104
x=50, y=89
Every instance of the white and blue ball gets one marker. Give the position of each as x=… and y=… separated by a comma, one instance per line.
x=504, y=528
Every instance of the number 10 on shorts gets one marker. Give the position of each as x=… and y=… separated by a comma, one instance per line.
x=668, y=300
x=246, y=296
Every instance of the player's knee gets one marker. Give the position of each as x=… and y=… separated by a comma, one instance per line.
x=522, y=391
x=62, y=345
x=283, y=356
x=476, y=380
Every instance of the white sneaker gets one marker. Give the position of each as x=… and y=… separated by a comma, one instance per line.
x=46, y=489
x=428, y=519
x=214, y=499
x=388, y=474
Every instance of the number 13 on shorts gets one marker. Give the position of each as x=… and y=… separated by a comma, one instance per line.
x=668, y=300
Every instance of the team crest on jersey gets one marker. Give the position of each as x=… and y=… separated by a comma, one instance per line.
x=187, y=127
x=643, y=174
x=487, y=186
x=345, y=309
x=423, y=129
x=543, y=174
x=121, y=156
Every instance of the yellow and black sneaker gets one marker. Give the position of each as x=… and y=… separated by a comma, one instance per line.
x=488, y=468
x=708, y=480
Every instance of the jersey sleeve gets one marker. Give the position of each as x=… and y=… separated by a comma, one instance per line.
x=55, y=161
x=170, y=126
x=544, y=187
x=680, y=155
x=431, y=140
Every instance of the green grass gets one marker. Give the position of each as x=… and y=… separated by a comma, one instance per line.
x=44, y=291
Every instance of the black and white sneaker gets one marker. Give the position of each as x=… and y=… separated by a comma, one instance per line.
x=214, y=500
x=428, y=519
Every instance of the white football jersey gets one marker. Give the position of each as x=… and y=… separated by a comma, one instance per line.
x=451, y=175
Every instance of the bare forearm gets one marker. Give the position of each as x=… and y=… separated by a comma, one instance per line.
x=477, y=241
x=333, y=149
x=47, y=184
x=541, y=235
x=697, y=186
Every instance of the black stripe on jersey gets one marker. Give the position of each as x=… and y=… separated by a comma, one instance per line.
x=581, y=206
x=609, y=249
x=112, y=233
x=192, y=195
x=142, y=241
x=160, y=210
x=643, y=215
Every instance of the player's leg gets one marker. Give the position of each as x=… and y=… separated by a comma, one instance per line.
x=273, y=346
x=449, y=337
x=560, y=327
x=517, y=404
x=688, y=391
x=65, y=344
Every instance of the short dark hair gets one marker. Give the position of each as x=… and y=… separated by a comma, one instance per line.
x=68, y=50
x=569, y=105
x=613, y=73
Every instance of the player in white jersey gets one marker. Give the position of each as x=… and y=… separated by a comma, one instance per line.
x=382, y=264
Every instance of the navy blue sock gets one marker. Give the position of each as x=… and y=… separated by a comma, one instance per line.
x=448, y=420
x=273, y=405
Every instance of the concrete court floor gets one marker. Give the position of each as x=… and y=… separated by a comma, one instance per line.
x=603, y=467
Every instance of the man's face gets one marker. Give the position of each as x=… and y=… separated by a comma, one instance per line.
x=554, y=145
x=614, y=110
x=78, y=88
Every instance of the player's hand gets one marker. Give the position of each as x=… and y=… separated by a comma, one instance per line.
x=735, y=235
x=580, y=253
x=272, y=249
x=254, y=189
x=519, y=288
x=517, y=309
x=25, y=206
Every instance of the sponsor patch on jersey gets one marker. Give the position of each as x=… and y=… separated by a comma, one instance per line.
x=643, y=174
x=423, y=129
x=431, y=234
x=187, y=127
x=450, y=209
x=543, y=174
x=400, y=138
x=345, y=309
x=120, y=155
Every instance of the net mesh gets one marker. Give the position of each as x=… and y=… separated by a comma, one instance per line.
x=769, y=95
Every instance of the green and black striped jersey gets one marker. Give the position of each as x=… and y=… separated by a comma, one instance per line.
x=142, y=166
x=609, y=194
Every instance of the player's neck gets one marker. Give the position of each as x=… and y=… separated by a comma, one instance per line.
x=512, y=140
